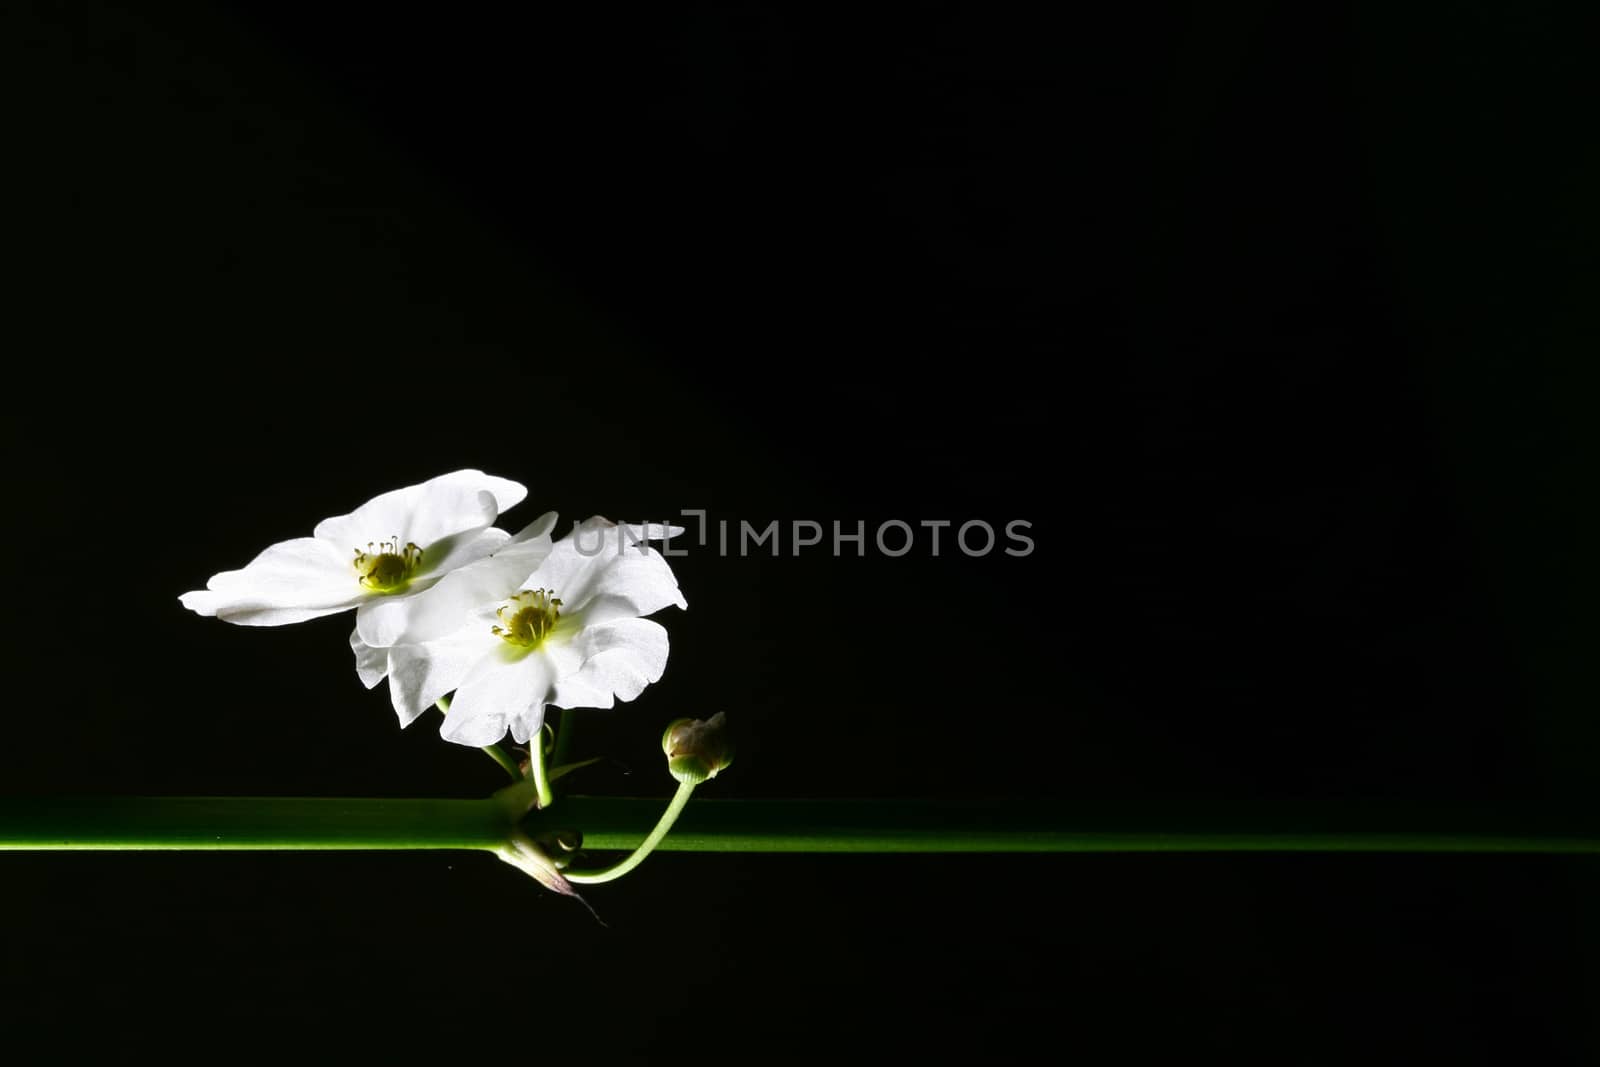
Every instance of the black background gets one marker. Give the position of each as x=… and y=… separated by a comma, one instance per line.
x=1276, y=324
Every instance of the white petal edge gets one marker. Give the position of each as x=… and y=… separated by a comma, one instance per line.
x=424, y=512
x=288, y=582
x=603, y=571
x=615, y=660
x=372, y=664
x=459, y=549
x=420, y=674
x=501, y=692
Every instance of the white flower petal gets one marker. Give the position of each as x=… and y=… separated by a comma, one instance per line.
x=384, y=620
x=503, y=689
x=446, y=510
x=420, y=674
x=424, y=513
x=441, y=610
x=460, y=549
x=381, y=621
x=290, y=581
x=371, y=663
x=507, y=493
x=538, y=528
x=615, y=659
x=384, y=516
x=602, y=571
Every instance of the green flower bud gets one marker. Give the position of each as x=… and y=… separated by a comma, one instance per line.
x=697, y=750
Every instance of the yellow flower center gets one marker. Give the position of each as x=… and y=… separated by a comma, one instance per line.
x=386, y=567
x=527, y=618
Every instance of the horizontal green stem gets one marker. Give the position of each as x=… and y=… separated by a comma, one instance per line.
x=876, y=826
x=866, y=826
x=235, y=823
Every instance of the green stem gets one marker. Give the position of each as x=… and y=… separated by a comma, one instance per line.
x=564, y=732
x=250, y=823
x=647, y=846
x=795, y=826
x=502, y=757
x=1002, y=826
x=536, y=769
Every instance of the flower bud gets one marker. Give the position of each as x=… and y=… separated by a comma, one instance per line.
x=697, y=749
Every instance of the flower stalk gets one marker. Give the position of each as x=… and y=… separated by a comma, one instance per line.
x=536, y=770
x=652, y=841
x=697, y=751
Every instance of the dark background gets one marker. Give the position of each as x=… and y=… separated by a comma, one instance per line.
x=1277, y=326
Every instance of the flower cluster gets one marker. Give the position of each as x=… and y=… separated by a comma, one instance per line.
x=446, y=602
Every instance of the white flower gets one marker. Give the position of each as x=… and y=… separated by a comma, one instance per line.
x=377, y=559
x=570, y=634
x=439, y=611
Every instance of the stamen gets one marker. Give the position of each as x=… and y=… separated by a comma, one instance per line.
x=387, y=566
x=527, y=618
